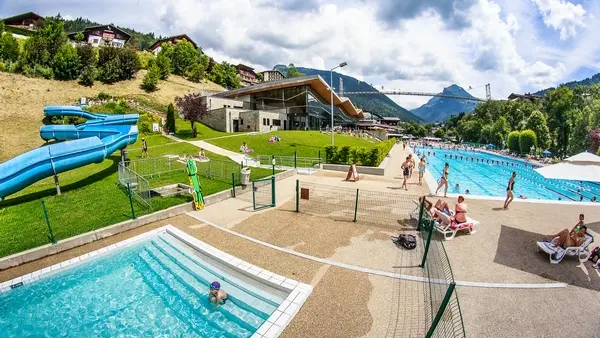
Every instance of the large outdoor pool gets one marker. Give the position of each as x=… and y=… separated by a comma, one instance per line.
x=481, y=174
x=157, y=288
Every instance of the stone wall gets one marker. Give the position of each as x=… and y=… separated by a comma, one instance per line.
x=216, y=119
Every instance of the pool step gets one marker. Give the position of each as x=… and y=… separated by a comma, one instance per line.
x=248, y=285
x=240, y=304
x=186, y=303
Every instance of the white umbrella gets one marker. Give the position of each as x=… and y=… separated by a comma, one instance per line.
x=581, y=167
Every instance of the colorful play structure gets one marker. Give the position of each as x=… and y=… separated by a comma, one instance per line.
x=192, y=172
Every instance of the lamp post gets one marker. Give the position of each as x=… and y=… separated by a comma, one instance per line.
x=343, y=64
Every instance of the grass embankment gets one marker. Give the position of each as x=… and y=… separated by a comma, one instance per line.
x=22, y=100
x=304, y=143
x=184, y=131
x=91, y=199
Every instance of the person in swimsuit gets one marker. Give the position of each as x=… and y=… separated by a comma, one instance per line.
x=509, y=190
x=444, y=180
x=144, y=148
x=459, y=213
x=412, y=165
x=405, y=172
x=422, y=165
x=216, y=295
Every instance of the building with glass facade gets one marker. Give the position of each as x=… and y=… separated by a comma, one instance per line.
x=301, y=102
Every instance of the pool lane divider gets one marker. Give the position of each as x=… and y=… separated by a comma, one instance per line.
x=380, y=272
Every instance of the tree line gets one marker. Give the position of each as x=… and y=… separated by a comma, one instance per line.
x=564, y=121
x=47, y=53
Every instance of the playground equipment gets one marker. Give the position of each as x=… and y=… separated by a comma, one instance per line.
x=192, y=172
x=86, y=143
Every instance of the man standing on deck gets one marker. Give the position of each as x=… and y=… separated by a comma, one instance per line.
x=509, y=190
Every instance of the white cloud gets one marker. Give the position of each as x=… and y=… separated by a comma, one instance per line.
x=562, y=16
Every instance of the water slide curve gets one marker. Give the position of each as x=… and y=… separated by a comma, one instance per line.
x=89, y=142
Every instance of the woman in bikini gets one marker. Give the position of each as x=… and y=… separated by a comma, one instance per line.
x=421, y=170
x=509, y=190
x=459, y=215
x=444, y=180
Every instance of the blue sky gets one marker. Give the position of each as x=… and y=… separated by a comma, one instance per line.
x=419, y=45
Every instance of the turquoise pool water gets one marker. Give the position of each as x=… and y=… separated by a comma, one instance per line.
x=488, y=178
x=158, y=287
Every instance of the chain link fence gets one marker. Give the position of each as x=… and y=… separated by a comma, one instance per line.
x=210, y=168
x=288, y=162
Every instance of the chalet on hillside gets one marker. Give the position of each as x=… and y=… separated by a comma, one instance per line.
x=29, y=21
x=247, y=75
x=156, y=47
x=103, y=35
x=272, y=75
x=524, y=97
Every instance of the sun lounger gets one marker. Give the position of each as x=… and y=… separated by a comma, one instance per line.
x=557, y=253
x=447, y=227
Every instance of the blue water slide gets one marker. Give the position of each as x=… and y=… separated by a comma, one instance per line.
x=89, y=142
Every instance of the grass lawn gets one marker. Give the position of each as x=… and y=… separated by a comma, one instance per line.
x=91, y=199
x=184, y=130
x=305, y=143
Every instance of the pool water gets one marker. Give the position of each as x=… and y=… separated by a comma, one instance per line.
x=158, y=287
x=487, y=179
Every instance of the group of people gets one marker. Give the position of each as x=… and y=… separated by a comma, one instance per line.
x=407, y=169
x=274, y=139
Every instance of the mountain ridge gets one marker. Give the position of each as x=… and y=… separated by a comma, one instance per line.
x=379, y=105
x=439, y=109
x=572, y=84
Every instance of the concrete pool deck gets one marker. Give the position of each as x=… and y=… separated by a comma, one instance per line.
x=350, y=303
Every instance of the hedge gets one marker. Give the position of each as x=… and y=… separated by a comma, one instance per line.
x=527, y=139
x=359, y=155
x=513, y=141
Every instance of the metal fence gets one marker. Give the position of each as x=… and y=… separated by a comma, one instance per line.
x=288, y=162
x=139, y=185
x=434, y=309
x=212, y=169
x=263, y=193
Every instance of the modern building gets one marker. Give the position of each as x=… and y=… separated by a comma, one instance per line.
x=272, y=75
x=103, y=35
x=157, y=46
x=29, y=21
x=298, y=103
x=247, y=75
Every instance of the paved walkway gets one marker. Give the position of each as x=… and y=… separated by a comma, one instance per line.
x=236, y=157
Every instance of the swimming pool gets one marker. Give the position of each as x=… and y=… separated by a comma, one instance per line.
x=486, y=174
x=157, y=286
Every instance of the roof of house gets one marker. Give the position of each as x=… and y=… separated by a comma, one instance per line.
x=514, y=96
x=24, y=16
x=110, y=27
x=244, y=67
x=316, y=82
x=172, y=38
x=272, y=71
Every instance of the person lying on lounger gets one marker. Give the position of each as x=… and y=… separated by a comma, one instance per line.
x=567, y=239
x=460, y=210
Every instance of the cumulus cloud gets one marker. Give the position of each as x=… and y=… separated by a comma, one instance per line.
x=562, y=16
x=453, y=12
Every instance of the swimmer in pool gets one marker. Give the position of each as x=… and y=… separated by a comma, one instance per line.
x=216, y=295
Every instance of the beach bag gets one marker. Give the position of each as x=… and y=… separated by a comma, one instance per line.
x=595, y=254
x=408, y=242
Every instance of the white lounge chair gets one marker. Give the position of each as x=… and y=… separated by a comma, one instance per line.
x=557, y=253
x=449, y=228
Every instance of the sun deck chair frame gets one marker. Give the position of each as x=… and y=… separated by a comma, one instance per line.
x=444, y=225
x=582, y=251
x=415, y=213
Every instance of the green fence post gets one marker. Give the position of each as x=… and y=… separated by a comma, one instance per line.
x=241, y=165
x=440, y=313
x=130, y=200
x=356, y=206
x=297, y=195
x=51, y=237
x=233, y=185
x=253, y=196
x=431, y=226
x=319, y=158
x=295, y=159
x=273, y=190
x=420, y=214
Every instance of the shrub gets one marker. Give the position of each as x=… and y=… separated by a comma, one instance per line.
x=184, y=57
x=164, y=65
x=344, y=155
x=196, y=73
x=150, y=80
x=9, y=48
x=330, y=154
x=513, y=141
x=102, y=96
x=594, y=141
x=171, y=118
x=527, y=139
x=2, y=67
x=38, y=71
x=88, y=75
x=109, y=66
x=87, y=55
x=145, y=128
x=66, y=65
x=130, y=63
x=144, y=58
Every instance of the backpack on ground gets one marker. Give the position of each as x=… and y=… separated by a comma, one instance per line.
x=408, y=242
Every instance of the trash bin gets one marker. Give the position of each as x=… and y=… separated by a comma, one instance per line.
x=245, y=176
